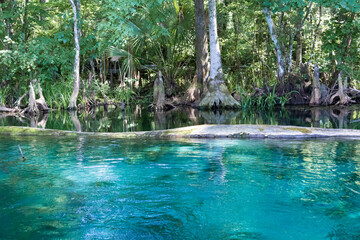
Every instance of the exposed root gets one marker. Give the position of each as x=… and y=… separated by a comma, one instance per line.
x=193, y=93
x=35, y=105
x=218, y=98
x=344, y=99
x=165, y=107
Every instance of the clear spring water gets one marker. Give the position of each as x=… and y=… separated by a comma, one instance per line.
x=92, y=188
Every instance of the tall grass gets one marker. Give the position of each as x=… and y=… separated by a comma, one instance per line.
x=58, y=95
x=266, y=101
x=4, y=94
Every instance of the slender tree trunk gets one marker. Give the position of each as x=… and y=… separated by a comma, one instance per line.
x=299, y=49
x=131, y=62
x=281, y=62
x=274, y=38
x=316, y=94
x=8, y=23
x=25, y=27
x=76, y=11
x=313, y=48
x=202, y=54
x=217, y=96
x=9, y=32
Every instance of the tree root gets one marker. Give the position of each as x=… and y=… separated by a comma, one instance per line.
x=218, y=98
x=193, y=93
x=344, y=99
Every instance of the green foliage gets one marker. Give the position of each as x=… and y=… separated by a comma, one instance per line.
x=140, y=37
x=265, y=101
x=124, y=94
x=4, y=94
x=57, y=94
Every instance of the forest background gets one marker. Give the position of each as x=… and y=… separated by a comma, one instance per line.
x=157, y=53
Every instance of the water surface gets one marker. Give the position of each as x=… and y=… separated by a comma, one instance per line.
x=141, y=119
x=93, y=188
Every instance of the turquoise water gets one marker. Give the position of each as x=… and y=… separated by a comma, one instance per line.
x=92, y=188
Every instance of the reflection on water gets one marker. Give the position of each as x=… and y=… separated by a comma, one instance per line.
x=87, y=188
x=139, y=119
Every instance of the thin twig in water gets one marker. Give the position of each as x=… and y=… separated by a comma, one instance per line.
x=22, y=153
x=353, y=190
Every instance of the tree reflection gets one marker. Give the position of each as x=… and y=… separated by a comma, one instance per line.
x=219, y=117
x=140, y=119
x=75, y=120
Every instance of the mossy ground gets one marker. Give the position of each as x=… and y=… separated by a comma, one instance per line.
x=302, y=130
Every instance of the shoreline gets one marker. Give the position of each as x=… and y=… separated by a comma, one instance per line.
x=199, y=131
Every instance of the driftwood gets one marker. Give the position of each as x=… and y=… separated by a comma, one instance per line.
x=341, y=94
x=7, y=110
x=18, y=102
x=40, y=102
x=17, y=106
x=35, y=105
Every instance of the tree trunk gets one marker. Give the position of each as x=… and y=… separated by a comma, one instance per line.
x=170, y=85
x=1, y=101
x=217, y=96
x=343, y=97
x=274, y=38
x=299, y=49
x=159, y=93
x=32, y=109
x=202, y=54
x=41, y=102
x=313, y=48
x=316, y=93
x=25, y=27
x=76, y=11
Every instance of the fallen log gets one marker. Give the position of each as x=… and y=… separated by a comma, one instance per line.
x=8, y=110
